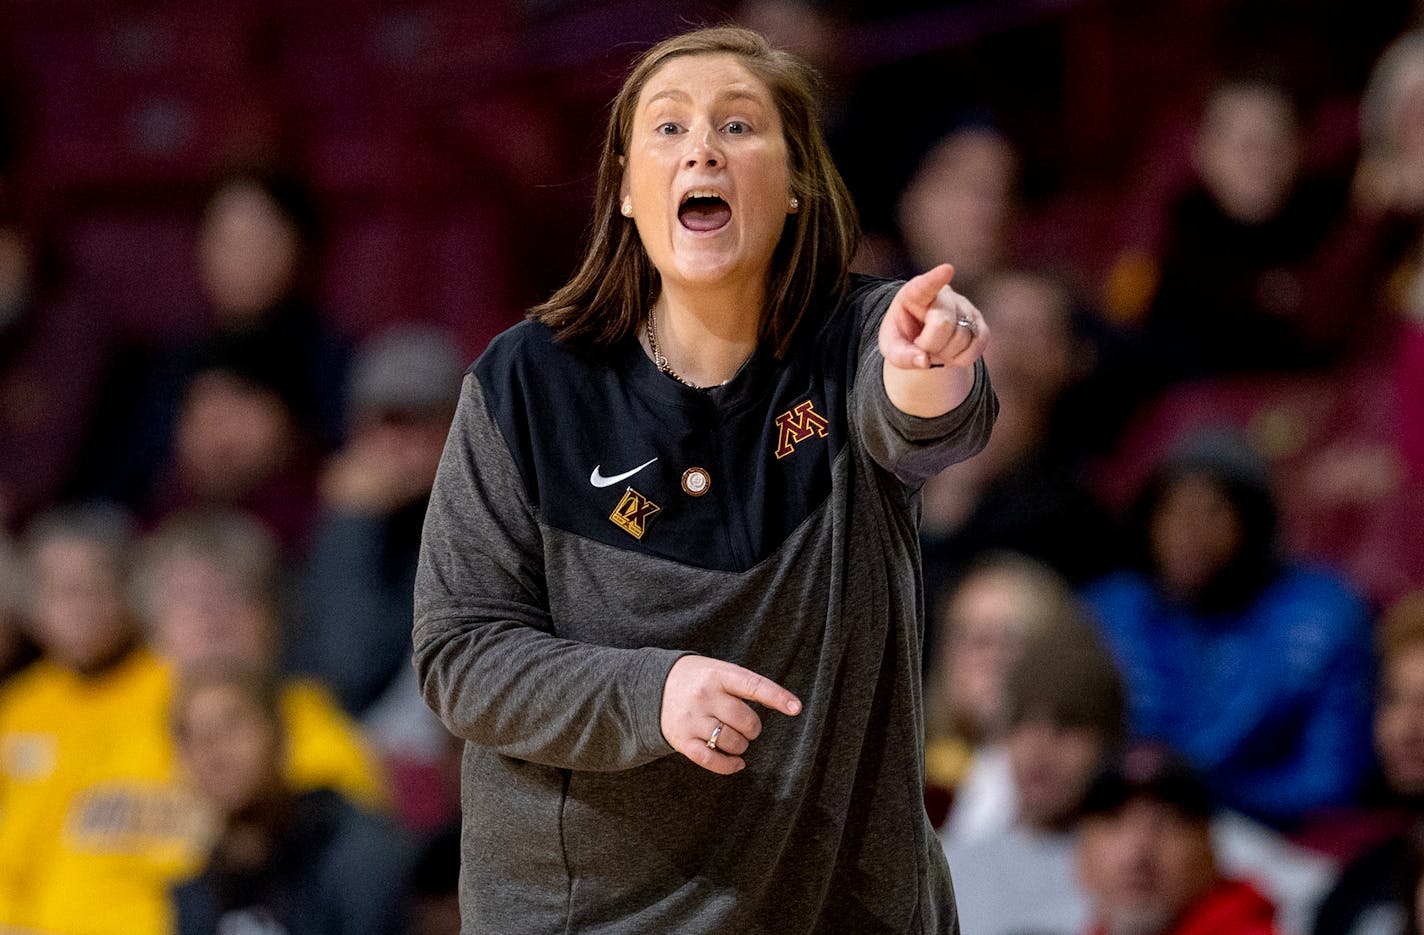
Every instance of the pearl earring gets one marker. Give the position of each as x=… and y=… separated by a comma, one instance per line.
x=627, y=209
x=795, y=203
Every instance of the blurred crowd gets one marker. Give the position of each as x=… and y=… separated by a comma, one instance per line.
x=1174, y=612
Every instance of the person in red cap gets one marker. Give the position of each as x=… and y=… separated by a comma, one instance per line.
x=1145, y=854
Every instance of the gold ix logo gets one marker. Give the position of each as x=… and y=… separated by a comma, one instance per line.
x=633, y=513
x=796, y=425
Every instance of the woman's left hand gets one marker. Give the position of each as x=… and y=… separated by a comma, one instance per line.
x=929, y=325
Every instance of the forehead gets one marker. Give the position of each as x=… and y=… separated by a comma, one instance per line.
x=66, y=550
x=704, y=77
x=1248, y=106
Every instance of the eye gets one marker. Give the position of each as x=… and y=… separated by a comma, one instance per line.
x=737, y=127
x=667, y=129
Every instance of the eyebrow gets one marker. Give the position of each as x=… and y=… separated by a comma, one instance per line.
x=734, y=94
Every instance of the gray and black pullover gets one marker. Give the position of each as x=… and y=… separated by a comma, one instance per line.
x=592, y=521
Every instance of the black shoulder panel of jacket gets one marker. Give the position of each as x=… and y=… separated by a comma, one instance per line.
x=612, y=449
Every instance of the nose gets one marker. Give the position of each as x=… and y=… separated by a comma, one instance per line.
x=705, y=149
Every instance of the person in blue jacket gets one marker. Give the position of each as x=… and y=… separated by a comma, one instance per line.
x=1256, y=666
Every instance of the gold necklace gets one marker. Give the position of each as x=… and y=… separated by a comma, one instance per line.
x=658, y=358
x=661, y=362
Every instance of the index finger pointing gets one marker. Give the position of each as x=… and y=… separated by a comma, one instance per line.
x=920, y=291
x=745, y=683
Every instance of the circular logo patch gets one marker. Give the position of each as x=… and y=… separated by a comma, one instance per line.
x=696, y=481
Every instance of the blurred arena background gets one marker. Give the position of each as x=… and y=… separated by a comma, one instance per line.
x=247, y=246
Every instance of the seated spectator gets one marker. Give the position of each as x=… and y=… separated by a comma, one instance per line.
x=359, y=578
x=209, y=588
x=959, y=206
x=360, y=575
x=1389, y=178
x=238, y=442
x=1145, y=854
x=1066, y=708
x=1023, y=492
x=980, y=629
x=300, y=863
x=258, y=257
x=93, y=826
x=1257, y=668
x=1374, y=892
x=1066, y=712
x=1238, y=286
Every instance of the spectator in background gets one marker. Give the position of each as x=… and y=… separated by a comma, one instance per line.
x=93, y=826
x=239, y=442
x=1375, y=893
x=1066, y=709
x=359, y=578
x=296, y=862
x=959, y=206
x=361, y=570
x=1255, y=667
x=1238, y=287
x=209, y=586
x=981, y=626
x=1388, y=188
x=1350, y=477
x=1390, y=176
x=1146, y=859
x=1066, y=712
x=1354, y=496
x=259, y=259
x=54, y=347
x=1024, y=491
x=258, y=253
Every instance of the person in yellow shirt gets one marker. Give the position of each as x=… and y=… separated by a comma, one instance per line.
x=93, y=823
x=97, y=821
x=208, y=587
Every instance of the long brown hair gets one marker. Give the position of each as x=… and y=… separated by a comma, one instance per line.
x=616, y=283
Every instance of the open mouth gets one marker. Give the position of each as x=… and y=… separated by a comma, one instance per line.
x=704, y=211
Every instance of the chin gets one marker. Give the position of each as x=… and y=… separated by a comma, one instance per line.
x=1139, y=920
x=706, y=274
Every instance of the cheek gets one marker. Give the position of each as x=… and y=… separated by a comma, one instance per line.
x=1091, y=862
x=1387, y=726
x=645, y=179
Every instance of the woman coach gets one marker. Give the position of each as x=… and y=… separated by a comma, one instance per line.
x=669, y=590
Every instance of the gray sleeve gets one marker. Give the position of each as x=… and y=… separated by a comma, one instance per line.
x=486, y=650
x=912, y=448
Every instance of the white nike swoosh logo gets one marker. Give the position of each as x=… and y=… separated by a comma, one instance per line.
x=598, y=480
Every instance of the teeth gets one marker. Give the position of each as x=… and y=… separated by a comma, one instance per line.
x=702, y=193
